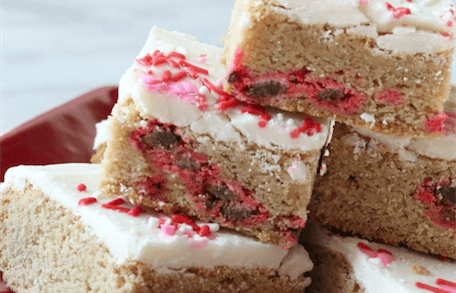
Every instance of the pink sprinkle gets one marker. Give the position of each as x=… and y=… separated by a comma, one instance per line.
x=448, y=289
x=202, y=58
x=136, y=211
x=204, y=231
x=186, y=91
x=237, y=57
x=87, y=201
x=168, y=229
x=363, y=2
x=449, y=23
x=385, y=258
x=81, y=187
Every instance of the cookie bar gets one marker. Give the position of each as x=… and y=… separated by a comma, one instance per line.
x=352, y=265
x=74, y=239
x=396, y=189
x=178, y=142
x=373, y=64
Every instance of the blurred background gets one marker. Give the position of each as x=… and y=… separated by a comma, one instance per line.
x=53, y=50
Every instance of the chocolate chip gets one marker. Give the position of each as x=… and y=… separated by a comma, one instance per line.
x=330, y=95
x=265, y=89
x=235, y=214
x=446, y=193
x=293, y=79
x=209, y=204
x=221, y=192
x=352, y=178
x=163, y=139
x=233, y=77
x=189, y=164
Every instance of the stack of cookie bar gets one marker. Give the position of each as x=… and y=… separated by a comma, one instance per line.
x=208, y=169
x=382, y=71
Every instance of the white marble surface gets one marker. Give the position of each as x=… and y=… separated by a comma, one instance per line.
x=53, y=50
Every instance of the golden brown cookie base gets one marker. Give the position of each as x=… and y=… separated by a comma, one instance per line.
x=51, y=250
x=369, y=190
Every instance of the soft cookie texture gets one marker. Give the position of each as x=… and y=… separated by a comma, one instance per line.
x=178, y=142
x=373, y=64
x=76, y=239
x=396, y=189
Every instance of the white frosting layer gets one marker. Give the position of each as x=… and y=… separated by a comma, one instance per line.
x=102, y=135
x=430, y=23
x=395, y=277
x=180, y=107
x=135, y=239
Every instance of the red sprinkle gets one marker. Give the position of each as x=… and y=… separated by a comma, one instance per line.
x=212, y=87
x=177, y=55
x=430, y=288
x=81, y=187
x=444, y=259
x=115, y=208
x=159, y=61
x=204, y=231
x=116, y=202
x=178, y=76
x=398, y=12
x=174, y=63
x=166, y=76
x=225, y=105
x=146, y=60
x=445, y=283
x=192, y=73
x=367, y=250
x=87, y=201
x=196, y=68
x=136, y=211
x=309, y=127
x=257, y=111
x=179, y=219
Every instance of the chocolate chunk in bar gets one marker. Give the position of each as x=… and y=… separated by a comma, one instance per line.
x=234, y=214
x=221, y=192
x=265, y=89
x=163, y=139
x=446, y=193
x=188, y=164
x=330, y=95
x=233, y=77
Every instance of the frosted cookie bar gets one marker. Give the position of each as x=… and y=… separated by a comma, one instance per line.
x=178, y=142
x=367, y=63
x=75, y=239
x=392, y=188
x=353, y=265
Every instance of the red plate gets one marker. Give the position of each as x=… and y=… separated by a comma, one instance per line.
x=62, y=135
